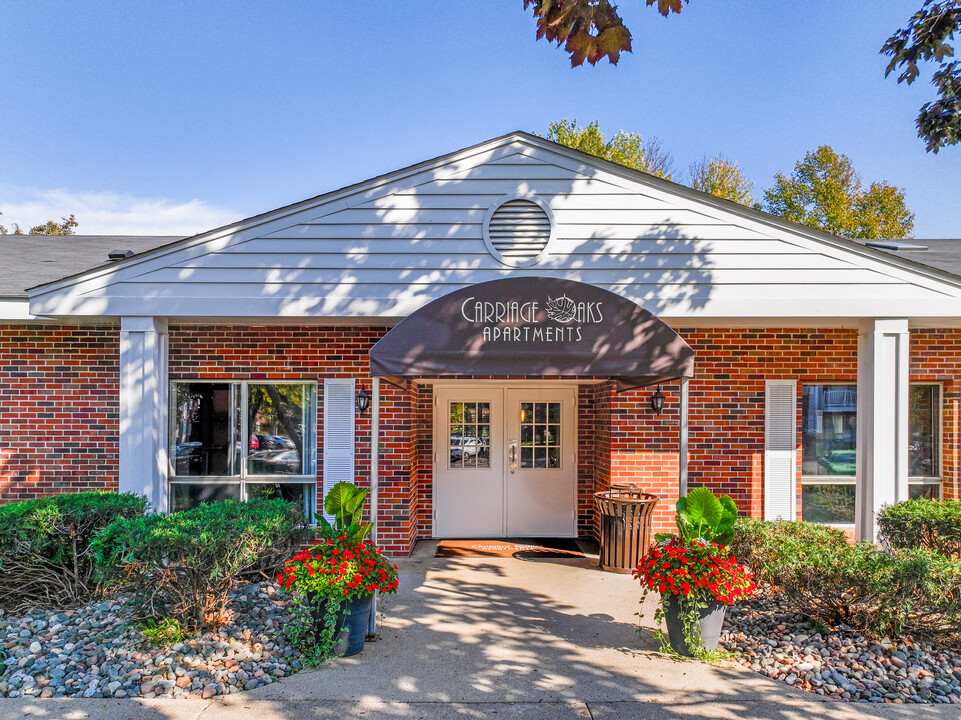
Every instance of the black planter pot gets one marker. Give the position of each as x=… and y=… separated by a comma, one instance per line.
x=350, y=629
x=710, y=620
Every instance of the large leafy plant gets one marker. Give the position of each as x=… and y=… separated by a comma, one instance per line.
x=703, y=516
x=345, y=502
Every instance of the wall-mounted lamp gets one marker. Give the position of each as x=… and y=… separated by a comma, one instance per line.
x=362, y=400
x=657, y=400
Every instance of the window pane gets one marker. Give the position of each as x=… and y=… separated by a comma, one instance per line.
x=203, y=432
x=928, y=491
x=277, y=420
x=827, y=503
x=828, y=419
x=527, y=457
x=470, y=435
x=922, y=447
x=184, y=496
x=299, y=494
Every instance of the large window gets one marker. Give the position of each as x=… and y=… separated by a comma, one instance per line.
x=242, y=440
x=828, y=449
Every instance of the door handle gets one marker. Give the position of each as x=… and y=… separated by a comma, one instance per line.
x=512, y=453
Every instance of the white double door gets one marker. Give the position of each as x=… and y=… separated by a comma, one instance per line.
x=504, y=462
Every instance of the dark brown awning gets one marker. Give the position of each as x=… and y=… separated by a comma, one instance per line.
x=534, y=326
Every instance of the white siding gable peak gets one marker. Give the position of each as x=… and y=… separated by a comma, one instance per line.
x=385, y=247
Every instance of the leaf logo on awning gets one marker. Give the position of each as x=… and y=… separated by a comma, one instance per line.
x=561, y=309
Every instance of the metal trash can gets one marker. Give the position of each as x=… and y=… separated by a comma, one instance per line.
x=625, y=513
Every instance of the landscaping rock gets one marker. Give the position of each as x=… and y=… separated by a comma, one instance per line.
x=96, y=651
x=767, y=636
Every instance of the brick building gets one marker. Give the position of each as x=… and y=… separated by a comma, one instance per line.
x=532, y=300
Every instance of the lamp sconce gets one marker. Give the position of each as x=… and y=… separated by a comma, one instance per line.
x=657, y=401
x=362, y=400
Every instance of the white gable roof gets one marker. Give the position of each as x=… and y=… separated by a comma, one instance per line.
x=383, y=248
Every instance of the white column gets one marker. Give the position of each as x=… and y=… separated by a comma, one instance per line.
x=882, y=420
x=143, y=409
x=374, y=482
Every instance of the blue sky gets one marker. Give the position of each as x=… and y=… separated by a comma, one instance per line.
x=173, y=118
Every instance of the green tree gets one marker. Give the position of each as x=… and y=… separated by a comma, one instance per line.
x=825, y=192
x=51, y=227
x=926, y=38
x=624, y=148
x=722, y=177
x=589, y=29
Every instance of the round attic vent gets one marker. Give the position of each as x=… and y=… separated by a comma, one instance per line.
x=518, y=230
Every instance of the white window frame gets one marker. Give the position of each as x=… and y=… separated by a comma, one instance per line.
x=852, y=479
x=242, y=478
x=938, y=442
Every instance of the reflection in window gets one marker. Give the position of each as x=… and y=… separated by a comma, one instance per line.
x=829, y=426
x=223, y=458
x=828, y=503
x=828, y=449
x=204, y=430
x=276, y=418
x=923, y=453
x=540, y=435
x=470, y=435
x=184, y=496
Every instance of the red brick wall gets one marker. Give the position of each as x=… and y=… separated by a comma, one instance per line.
x=58, y=409
x=587, y=441
x=726, y=430
x=59, y=403
x=422, y=440
x=212, y=352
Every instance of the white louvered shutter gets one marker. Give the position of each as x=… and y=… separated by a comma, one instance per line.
x=338, y=432
x=780, y=449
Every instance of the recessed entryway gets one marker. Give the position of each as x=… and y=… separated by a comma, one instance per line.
x=505, y=462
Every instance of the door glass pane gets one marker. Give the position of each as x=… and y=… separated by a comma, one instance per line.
x=276, y=427
x=553, y=457
x=540, y=442
x=470, y=435
x=553, y=412
x=527, y=457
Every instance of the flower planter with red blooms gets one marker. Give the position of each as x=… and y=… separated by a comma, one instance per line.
x=695, y=575
x=696, y=581
x=335, y=582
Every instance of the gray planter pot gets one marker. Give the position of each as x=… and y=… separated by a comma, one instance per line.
x=351, y=627
x=710, y=620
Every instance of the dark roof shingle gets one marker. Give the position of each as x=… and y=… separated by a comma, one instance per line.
x=30, y=260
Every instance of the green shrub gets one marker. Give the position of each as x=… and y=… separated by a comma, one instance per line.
x=769, y=548
x=923, y=523
x=45, y=546
x=914, y=591
x=183, y=566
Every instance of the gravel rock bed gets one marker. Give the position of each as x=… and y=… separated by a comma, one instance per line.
x=95, y=652
x=768, y=637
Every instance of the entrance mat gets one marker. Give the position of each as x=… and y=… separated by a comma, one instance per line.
x=521, y=548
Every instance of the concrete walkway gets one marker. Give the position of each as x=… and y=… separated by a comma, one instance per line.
x=501, y=638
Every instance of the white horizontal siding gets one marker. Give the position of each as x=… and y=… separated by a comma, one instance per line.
x=392, y=247
x=442, y=255
x=276, y=277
